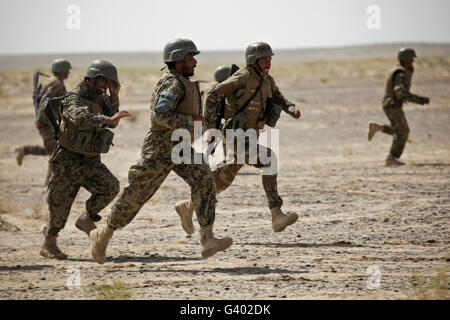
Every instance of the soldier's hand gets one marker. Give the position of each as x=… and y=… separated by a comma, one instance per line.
x=295, y=113
x=426, y=100
x=116, y=117
x=114, y=88
x=39, y=125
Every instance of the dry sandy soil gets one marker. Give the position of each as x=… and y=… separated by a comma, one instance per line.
x=354, y=212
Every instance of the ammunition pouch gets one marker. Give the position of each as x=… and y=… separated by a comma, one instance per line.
x=239, y=121
x=89, y=140
x=272, y=113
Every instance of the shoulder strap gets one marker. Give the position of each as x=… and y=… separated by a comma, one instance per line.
x=246, y=103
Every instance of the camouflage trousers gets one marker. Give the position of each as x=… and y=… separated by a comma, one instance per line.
x=70, y=172
x=225, y=173
x=147, y=175
x=398, y=129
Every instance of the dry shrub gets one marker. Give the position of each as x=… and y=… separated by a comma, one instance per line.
x=117, y=290
x=432, y=288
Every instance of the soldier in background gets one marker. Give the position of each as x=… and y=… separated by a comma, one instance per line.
x=54, y=88
x=86, y=112
x=175, y=104
x=220, y=75
x=255, y=87
x=398, y=83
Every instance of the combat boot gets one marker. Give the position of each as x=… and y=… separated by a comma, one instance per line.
x=210, y=244
x=393, y=161
x=100, y=238
x=50, y=249
x=20, y=153
x=280, y=220
x=84, y=223
x=373, y=128
x=185, y=210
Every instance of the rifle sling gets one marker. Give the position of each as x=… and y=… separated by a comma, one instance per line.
x=246, y=103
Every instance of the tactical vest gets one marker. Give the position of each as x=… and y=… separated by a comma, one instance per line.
x=389, y=89
x=190, y=104
x=257, y=106
x=67, y=131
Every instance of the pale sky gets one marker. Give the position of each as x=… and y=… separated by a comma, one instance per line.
x=29, y=26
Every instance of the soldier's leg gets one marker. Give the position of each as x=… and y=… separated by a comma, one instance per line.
x=61, y=192
x=102, y=185
x=269, y=168
x=144, y=179
x=224, y=175
x=203, y=196
x=400, y=130
x=49, y=145
x=21, y=152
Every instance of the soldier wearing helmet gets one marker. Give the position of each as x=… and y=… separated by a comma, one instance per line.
x=398, y=84
x=220, y=75
x=175, y=104
x=250, y=89
x=54, y=87
x=86, y=113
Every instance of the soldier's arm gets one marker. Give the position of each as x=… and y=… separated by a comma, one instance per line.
x=78, y=114
x=220, y=92
x=401, y=93
x=164, y=113
x=110, y=108
x=279, y=99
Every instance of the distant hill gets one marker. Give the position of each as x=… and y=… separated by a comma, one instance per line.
x=154, y=59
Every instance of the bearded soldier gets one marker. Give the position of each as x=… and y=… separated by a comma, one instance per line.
x=86, y=112
x=398, y=83
x=175, y=104
x=54, y=88
x=248, y=94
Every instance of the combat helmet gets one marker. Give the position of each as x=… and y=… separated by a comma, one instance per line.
x=102, y=68
x=177, y=49
x=61, y=65
x=406, y=54
x=221, y=74
x=257, y=50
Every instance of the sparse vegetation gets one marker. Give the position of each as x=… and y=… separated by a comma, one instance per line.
x=117, y=290
x=431, y=288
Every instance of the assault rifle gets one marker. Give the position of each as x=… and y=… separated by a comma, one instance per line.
x=37, y=91
x=220, y=113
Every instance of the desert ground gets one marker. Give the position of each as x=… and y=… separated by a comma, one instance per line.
x=355, y=214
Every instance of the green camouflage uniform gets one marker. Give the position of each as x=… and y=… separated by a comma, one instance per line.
x=175, y=101
x=397, y=92
x=72, y=170
x=54, y=88
x=236, y=90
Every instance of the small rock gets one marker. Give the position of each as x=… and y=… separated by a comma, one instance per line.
x=386, y=220
x=431, y=241
x=43, y=278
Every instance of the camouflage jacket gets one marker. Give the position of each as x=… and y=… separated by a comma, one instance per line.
x=77, y=113
x=239, y=88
